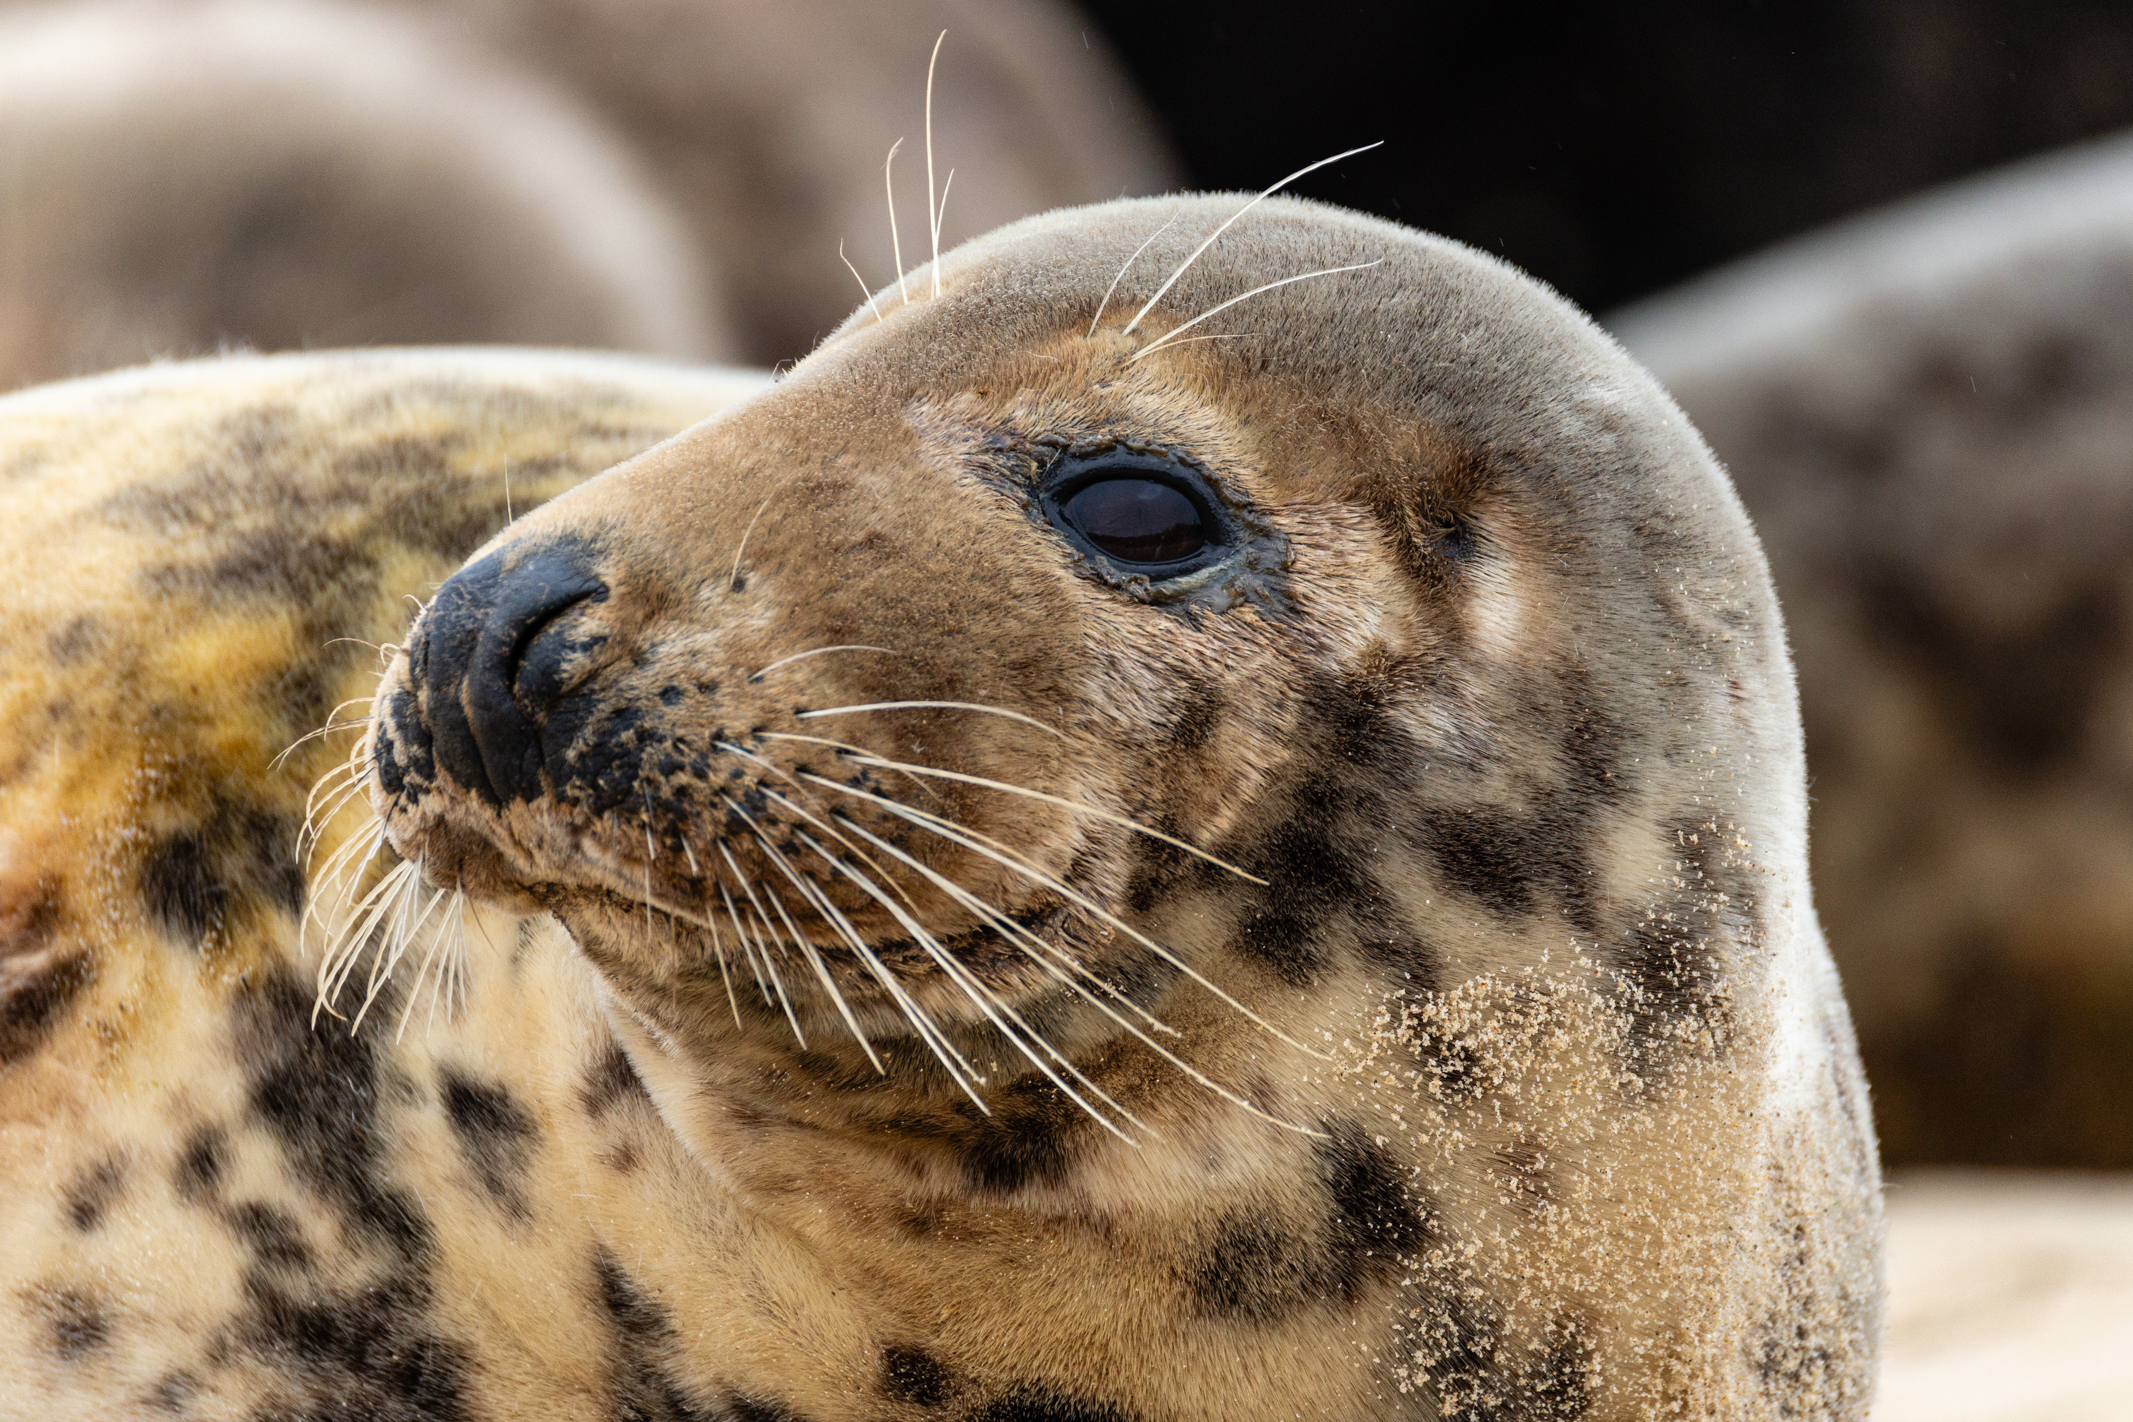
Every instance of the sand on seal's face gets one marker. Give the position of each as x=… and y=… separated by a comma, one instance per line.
x=2010, y=1298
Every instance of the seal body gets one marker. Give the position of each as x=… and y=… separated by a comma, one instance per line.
x=1926, y=411
x=1037, y=868
x=184, y=178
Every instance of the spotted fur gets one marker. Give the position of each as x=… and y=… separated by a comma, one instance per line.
x=1486, y=1061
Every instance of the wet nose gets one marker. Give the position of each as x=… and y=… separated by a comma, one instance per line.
x=487, y=671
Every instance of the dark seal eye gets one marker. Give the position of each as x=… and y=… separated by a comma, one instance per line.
x=1141, y=521
x=1139, y=513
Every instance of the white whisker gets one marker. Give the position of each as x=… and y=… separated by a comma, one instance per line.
x=987, y=913
x=769, y=967
x=733, y=579
x=1170, y=336
x=1004, y=1018
x=1113, y=287
x=864, y=290
x=934, y=705
x=756, y=676
x=1193, y=1073
x=733, y=917
x=807, y=949
x=1074, y=805
x=896, y=243
x=970, y=839
x=1172, y=279
x=718, y=947
x=926, y=789
x=804, y=814
x=932, y=211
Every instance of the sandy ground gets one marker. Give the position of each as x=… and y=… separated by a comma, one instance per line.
x=2010, y=1298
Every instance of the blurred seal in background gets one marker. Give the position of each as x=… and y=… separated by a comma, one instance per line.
x=275, y=174
x=1929, y=412
x=664, y=176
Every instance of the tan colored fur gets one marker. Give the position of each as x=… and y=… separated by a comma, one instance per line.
x=1549, y=1109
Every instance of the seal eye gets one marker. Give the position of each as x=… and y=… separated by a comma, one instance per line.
x=1140, y=521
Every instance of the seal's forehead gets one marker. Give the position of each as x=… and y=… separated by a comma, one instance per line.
x=1424, y=329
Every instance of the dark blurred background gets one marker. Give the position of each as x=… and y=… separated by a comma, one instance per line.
x=1617, y=146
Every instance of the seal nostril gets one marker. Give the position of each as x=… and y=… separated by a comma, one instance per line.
x=515, y=673
x=479, y=651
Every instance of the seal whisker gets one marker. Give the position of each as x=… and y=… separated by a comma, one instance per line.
x=439, y=956
x=932, y=212
x=807, y=948
x=1171, y=335
x=1008, y=927
x=747, y=949
x=896, y=243
x=758, y=675
x=346, y=867
x=924, y=788
x=777, y=982
x=1074, y=805
x=1000, y=923
x=864, y=289
x=1113, y=287
x=733, y=579
x=933, y=705
x=338, y=870
x=812, y=819
x=1172, y=279
x=718, y=949
x=970, y=838
x=921, y=1021
x=326, y=730
x=913, y=1012
x=1202, y=1079
x=406, y=923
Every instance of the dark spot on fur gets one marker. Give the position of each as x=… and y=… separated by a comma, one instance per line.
x=496, y=1134
x=78, y=1324
x=1431, y=515
x=362, y=1353
x=174, y=1392
x=318, y=1095
x=1374, y=1221
x=1249, y=1270
x=1673, y=958
x=611, y=1081
x=743, y=1408
x=89, y=1194
x=1476, y=852
x=272, y=1234
x=192, y=880
x=1042, y=1404
x=914, y=1376
x=198, y=1172
x=1196, y=724
x=643, y=1390
x=35, y=987
x=1029, y=1139
x=1313, y=880
x=78, y=639
x=1476, y=1377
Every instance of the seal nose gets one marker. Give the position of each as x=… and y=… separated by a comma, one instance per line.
x=488, y=675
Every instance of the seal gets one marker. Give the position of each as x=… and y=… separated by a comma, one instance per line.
x=1925, y=410
x=1041, y=867
x=181, y=179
